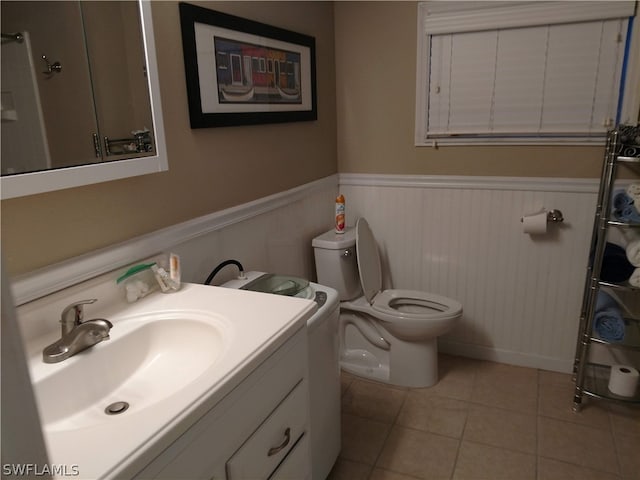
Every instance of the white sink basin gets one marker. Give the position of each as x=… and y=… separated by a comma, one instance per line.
x=148, y=358
x=170, y=357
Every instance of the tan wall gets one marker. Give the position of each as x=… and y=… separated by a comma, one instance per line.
x=209, y=169
x=372, y=109
x=376, y=85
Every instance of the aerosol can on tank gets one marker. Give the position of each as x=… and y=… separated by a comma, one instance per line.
x=340, y=214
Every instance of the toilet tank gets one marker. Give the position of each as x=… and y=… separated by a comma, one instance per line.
x=336, y=262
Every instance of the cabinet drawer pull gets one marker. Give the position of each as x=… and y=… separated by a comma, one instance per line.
x=287, y=437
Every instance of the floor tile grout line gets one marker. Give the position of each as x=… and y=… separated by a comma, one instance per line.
x=580, y=424
x=464, y=428
x=614, y=439
x=392, y=471
x=391, y=426
x=566, y=462
x=470, y=402
x=473, y=381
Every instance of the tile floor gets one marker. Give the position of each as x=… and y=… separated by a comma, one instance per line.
x=484, y=420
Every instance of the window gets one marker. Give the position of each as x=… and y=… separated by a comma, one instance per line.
x=526, y=72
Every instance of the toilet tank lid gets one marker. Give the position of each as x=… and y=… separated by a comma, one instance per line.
x=334, y=241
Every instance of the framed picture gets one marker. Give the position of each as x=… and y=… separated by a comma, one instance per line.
x=242, y=72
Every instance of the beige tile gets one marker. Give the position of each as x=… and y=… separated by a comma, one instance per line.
x=506, y=386
x=373, y=400
x=494, y=370
x=519, y=397
x=432, y=413
x=501, y=428
x=420, y=454
x=625, y=419
x=348, y=470
x=362, y=439
x=380, y=474
x=556, y=401
x=549, y=469
x=555, y=378
x=628, y=448
x=577, y=444
x=476, y=461
x=499, y=411
x=456, y=376
x=345, y=381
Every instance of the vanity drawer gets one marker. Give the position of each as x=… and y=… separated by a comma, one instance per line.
x=297, y=465
x=272, y=441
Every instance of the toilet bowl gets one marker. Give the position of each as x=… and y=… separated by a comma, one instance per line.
x=386, y=335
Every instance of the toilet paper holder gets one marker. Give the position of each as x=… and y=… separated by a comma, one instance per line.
x=553, y=216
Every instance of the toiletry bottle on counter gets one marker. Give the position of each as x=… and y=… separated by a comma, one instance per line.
x=340, y=214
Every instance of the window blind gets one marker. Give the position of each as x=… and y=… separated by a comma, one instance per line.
x=543, y=80
x=525, y=72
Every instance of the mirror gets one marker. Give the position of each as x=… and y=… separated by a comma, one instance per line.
x=80, y=104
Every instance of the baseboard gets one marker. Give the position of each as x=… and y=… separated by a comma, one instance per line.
x=510, y=357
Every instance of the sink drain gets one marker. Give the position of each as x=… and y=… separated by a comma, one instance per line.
x=116, y=408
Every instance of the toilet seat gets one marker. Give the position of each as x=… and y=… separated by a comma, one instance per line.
x=404, y=313
x=432, y=315
x=414, y=305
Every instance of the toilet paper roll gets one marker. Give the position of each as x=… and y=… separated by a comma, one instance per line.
x=623, y=380
x=535, y=224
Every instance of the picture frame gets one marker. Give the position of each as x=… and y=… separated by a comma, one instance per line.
x=243, y=72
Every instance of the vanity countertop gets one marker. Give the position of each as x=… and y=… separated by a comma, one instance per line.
x=251, y=327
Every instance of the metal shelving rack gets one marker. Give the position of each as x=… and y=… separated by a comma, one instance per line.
x=592, y=379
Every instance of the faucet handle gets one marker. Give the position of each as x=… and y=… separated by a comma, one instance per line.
x=72, y=315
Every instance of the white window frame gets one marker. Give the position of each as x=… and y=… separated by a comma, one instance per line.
x=461, y=16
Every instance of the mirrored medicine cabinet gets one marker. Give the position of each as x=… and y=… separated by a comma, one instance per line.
x=80, y=94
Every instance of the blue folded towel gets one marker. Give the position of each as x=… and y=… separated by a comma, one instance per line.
x=621, y=199
x=623, y=207
x=604, y=301
x=608, y=321
x=609, y=325
x=628, y=214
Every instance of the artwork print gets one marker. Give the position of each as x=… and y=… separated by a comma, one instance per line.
x=242, y=72
x=256, y=74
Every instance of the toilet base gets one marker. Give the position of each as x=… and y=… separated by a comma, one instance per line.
x=364, y=364
x=406, y=364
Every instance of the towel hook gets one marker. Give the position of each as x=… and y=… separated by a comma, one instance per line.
x=52, y=68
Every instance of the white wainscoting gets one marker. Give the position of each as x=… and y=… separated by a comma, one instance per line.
x=457, y=236
x=462, y=237
x=270, y=234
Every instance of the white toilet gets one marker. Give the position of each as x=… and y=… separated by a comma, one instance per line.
x=390, y=335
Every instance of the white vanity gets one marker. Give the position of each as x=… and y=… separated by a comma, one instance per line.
x=215, y=380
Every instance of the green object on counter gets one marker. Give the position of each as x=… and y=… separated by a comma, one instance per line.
x=133, y=270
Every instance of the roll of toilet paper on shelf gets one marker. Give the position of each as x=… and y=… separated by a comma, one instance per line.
x=535, y=224
x=623, y=380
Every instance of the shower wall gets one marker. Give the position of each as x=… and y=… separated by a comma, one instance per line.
x=22, y=119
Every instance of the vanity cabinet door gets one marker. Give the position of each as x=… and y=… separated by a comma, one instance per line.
x=259, y=456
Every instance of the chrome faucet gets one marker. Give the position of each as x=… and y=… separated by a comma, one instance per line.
x=76, y=334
